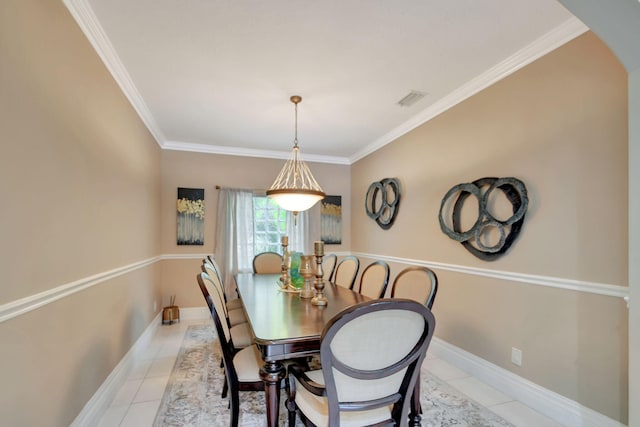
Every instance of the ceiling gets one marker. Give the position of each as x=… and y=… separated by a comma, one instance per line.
x=216, y=76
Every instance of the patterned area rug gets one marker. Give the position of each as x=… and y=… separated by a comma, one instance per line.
x=192, y=397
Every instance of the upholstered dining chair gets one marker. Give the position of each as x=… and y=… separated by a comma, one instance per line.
x=419, y=284
x=235, y=314
x=416, y=283
x=329, y=266
x=242, y=368
x=369, y=370
x=231, y=304
x=267, y=263
x=374, y=280
x=241, y=333
x=346, y=271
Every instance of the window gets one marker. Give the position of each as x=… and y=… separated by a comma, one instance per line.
x=269, y=224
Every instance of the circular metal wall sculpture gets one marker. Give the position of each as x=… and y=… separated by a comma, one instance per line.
x=515, y=192
x=383, y=212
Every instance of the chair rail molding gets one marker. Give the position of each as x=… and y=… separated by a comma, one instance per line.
x=32, y=302
x=532, y=279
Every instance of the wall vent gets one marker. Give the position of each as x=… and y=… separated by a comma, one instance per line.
x=413, y=97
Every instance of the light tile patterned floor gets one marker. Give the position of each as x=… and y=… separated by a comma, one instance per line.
x=138, y=400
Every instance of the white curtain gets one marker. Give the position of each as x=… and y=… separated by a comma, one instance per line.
x=303, y=232
x=234, y=235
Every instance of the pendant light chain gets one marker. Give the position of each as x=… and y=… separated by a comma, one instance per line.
x=295, y=139
x=295, y=189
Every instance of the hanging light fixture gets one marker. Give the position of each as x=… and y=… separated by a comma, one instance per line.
x=295, y=189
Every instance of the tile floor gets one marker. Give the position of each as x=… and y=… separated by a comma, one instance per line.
x=138, y=400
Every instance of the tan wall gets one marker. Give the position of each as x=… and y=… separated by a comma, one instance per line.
x=80, y=185
x=197, y=170
x=559, y=125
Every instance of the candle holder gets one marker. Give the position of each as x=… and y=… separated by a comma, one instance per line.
x=306, y=270
x=319, y=299
x=284, y=268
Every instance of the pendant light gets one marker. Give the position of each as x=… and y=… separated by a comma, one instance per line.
x=295, y=189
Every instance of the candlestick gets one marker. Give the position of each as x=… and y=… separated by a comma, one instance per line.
x=306, y=270
x=284, y=278
x=319, y=299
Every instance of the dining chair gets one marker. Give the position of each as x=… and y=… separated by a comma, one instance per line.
x=235, y=314
x=419, y=284
x=374, y=280
x=267, y=263
x=346, y=271
x=242, y=368
x=368, y=369
x=329, y=266
x=416, y=283
x=231, y=304
x=241, y=333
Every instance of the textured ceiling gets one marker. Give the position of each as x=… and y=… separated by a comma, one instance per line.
x=216, y=76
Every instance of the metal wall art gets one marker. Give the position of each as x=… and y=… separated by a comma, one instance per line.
x=515, y=192
x=382, y=202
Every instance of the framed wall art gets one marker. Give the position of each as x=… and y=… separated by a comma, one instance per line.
x=190, y=213
x=331, y=220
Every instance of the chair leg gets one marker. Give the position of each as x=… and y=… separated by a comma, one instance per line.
x=291, y=407
x=235, y=408
x=225, y=387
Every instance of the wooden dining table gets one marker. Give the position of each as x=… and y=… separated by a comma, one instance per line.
x=286, y=326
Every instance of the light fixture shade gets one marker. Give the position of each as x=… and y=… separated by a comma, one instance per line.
x=295, y=189
x=296, y=202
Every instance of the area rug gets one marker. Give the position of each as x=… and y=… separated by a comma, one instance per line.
x=192, y=397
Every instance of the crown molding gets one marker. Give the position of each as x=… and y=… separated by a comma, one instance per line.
x=250, y=152
x=555, y=38
x=88, y=23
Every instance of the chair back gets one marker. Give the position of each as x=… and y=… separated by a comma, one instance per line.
x=417, y=283
x=346, y=271
x=214, y=287
x=267, y=263
x=367, y=364
x=222, y=330
x=374, y=280
x=211, y=263
x=216, y=307
x=329, y=266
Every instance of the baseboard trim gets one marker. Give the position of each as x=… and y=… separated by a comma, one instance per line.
x=563, y=410
x=95, y=408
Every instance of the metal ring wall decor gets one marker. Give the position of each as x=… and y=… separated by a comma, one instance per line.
x=515, y=192
x=386, y=211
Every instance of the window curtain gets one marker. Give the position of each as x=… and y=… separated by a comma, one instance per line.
x=234, y=235
x=303, y=232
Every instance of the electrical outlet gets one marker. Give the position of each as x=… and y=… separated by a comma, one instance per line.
x=516, y=356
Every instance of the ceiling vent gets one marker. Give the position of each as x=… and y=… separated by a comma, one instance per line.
x=413, y=97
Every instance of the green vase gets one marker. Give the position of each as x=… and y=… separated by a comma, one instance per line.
x=297, y=281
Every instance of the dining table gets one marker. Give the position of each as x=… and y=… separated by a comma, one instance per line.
x=286, y=326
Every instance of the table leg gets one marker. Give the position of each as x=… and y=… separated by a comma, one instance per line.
x=415, y=411
x=272, y=373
